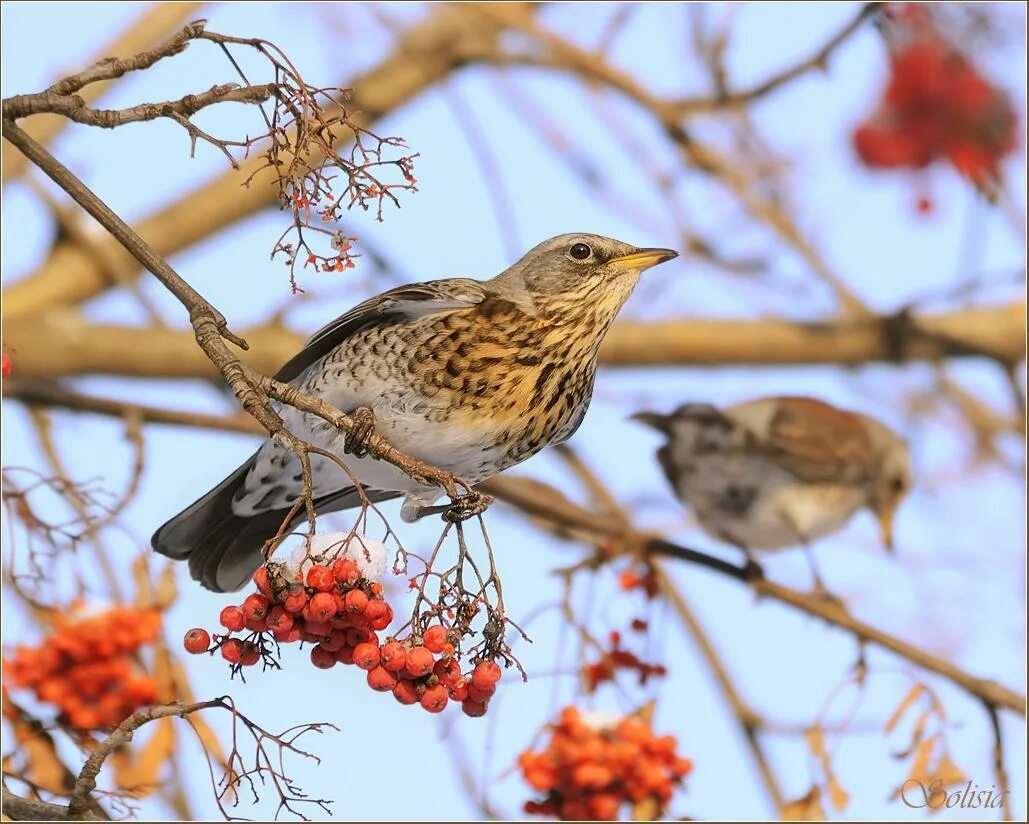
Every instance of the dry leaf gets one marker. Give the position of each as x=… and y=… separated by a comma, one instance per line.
x=948, y=772
x=920, y=766
x=44, y=767
x=141, y=577
x=839, y=797
x=806, y=808
x=646, y=809
x=166, y=591
x=913, y=695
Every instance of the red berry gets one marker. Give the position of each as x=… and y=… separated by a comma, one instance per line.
x=255, y=607
x=473, y=709
x=345, y=654
x=357, y=635
x=356, y=601
x=345, y=571
x=256, y=624
x=322, y=607
x=435, y=699
x=485, y=675
x=393, y=656
x=7, y=366
x=379, y=614
x=289, y=636
x=419, y=661
x=366, y=655
x=250, y=654
x=279, y=620
x=435, y=638
x=263, y=582
x=316, y=630
x=296, y=598
x=232, y=619
x=478, y=694
x=232, y=650
x=448, y=671
x=458, y=689
x=381, y=679
x=197, y=640
x=405, y=692
x=320, y=578
x=322, y=658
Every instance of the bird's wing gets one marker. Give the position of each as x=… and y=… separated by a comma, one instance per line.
x=402, y=303
x=815, y=441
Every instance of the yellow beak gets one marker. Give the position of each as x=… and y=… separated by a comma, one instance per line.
x=885, y=519
x=644, y=258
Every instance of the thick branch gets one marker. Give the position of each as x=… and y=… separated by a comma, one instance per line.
x=62, y=343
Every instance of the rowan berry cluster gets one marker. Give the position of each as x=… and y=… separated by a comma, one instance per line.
x=86, y=666
x=618, y=658
x=341, y=613
x=936, y=106
x=591, y=770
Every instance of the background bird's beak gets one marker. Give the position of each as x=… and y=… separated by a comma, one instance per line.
x=643, y=258
x=654, y=420
x=885, y=518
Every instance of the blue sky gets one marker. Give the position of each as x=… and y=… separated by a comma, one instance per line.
x=957, y=584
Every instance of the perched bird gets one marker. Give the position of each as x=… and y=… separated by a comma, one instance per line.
x=780, y=472
x=470, y=376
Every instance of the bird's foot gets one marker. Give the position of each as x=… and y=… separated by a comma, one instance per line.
x=464, y=507
x=753, y=571
x=821, y=592
x=356, y=442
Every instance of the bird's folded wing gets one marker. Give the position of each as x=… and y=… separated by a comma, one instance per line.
x=818, y=442
x=402, y=303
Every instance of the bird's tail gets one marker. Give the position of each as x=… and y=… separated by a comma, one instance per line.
x=224, y=549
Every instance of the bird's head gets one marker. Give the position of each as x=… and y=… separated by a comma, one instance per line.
x=893, y=477
x=575, y=271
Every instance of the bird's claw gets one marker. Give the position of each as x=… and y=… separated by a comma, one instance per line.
x=467, y=506
x=356, y=441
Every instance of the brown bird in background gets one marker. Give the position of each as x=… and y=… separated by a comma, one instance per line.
x=470, y=376
x=783, y=471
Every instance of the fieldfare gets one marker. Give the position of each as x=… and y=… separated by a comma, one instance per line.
x=470, y=376
x=780, y=472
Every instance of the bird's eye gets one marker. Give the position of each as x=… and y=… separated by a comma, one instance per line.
x=580, y=251
x=897, y=485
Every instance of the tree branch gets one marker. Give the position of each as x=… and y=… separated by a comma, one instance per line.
x=565, y=518
x=62, y=343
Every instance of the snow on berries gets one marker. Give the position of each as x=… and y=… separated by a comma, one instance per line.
x=333, y=602
x=87, y=666
x=598, y=768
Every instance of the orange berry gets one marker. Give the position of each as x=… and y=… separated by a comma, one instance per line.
x=435, y=699
x=322, y=606
x=232, y=618
x=250, y=654
x=356, y=601
x=473, y=709
x=485, y=675
x=379, y=614
x=419, y=662
x=405, y=691
x=255, y=607
x=393, y=656
x=366, y=655
x=321, y=578
x=435, y=638
x=232, y=650
x=322, y=658
x=345, y=571
x=197, y=640
x=381, y=679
